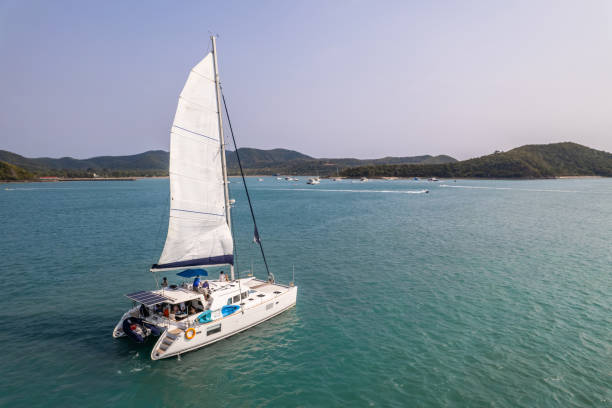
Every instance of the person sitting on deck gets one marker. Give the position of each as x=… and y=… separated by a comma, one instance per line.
x=192, y=310
x=164, y=283
x=222, y=277
x=196, y=283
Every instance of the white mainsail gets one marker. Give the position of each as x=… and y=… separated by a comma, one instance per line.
x=198, y=230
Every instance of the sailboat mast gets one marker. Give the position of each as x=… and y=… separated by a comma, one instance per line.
x=228, y=211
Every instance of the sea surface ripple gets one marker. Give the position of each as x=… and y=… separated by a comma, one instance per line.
x=480, y=293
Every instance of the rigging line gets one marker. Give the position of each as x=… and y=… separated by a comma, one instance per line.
x=165, y=210
x=246, y=189
x=236, y=266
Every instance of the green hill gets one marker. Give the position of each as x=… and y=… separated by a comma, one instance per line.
x=155, y=163
x=529, y=161
x=13, y=173
x=151, y=160
x=300, y=164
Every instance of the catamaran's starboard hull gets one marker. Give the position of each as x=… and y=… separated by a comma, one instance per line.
x=174, y=342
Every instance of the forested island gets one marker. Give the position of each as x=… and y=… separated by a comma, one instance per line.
x=155, y=163
x=529, y=161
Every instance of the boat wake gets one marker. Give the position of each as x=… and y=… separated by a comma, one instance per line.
x=350, y=191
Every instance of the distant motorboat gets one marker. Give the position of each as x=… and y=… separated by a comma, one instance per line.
x=260, y=179
x=416, y=179
x=337, y=178
x=314, y=180
x=279, y=178
x=433, y=179
x=364, y=179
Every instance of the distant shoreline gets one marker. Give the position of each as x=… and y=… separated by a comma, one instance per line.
x=323, y=178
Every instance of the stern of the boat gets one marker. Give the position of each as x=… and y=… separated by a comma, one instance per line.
x=118, y=330
x=163, y=348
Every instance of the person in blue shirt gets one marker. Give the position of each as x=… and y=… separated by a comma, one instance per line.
x=196, y=283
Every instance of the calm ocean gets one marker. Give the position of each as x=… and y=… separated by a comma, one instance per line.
x=480, y=293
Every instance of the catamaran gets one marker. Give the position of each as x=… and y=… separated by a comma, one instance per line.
x=191, y=315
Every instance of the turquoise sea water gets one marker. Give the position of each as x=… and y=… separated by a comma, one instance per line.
x=480, y=293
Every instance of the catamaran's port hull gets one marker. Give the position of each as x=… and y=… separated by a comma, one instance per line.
x=208, y=333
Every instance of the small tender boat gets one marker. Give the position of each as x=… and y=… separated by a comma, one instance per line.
x=364, y=179
x=433, y=179
x=314, y=180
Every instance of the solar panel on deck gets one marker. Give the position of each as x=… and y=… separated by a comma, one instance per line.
x=147, y=298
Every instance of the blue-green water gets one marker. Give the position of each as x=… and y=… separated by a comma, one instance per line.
x=481, y=293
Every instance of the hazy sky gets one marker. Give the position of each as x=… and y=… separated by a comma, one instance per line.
x=328, y=78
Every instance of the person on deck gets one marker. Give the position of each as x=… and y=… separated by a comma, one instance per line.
x=222, y=277
x=164, y=283
x=196, y=283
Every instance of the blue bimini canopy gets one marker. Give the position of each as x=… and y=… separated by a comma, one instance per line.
x=190, y=273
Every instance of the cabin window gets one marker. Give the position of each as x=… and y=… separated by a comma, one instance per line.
x=245, y=295
x=261, y=295
x=236, y=298
x=229, y=301
x=213, y=329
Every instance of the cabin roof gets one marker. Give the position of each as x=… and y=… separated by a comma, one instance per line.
x=177, y=295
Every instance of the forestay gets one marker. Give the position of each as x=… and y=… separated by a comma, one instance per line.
x=198, y=231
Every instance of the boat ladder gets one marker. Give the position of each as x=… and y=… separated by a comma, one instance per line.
x=170, y=338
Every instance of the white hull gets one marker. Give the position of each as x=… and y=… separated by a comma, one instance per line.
x=230, y=325
x=175, y=340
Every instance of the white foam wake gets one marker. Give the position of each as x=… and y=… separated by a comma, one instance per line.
x=349, y=191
